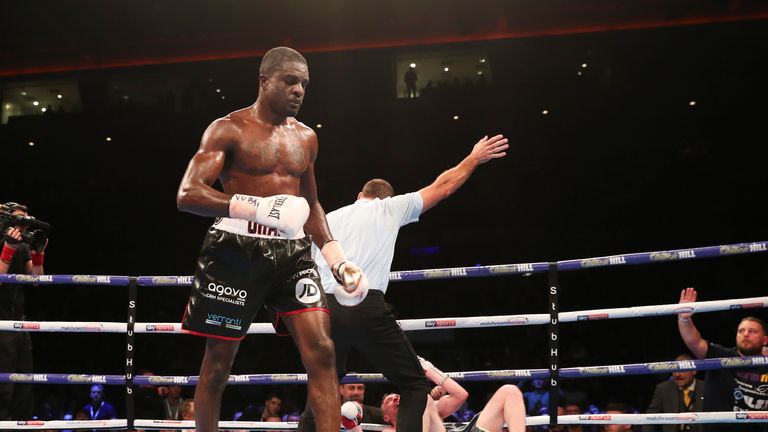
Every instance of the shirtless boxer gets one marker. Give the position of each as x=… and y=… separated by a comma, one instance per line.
x=257, y=253
x=506, y=405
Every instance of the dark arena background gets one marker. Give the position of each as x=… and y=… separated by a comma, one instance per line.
x=633, y=126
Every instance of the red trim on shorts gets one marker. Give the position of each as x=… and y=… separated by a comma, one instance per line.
x=295, y=312
x=194, y=333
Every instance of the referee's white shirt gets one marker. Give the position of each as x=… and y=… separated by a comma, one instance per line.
x=367, y=231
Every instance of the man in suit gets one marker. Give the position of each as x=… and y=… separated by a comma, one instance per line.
x=682, y=393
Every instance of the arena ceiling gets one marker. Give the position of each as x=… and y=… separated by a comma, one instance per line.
x=40, y=37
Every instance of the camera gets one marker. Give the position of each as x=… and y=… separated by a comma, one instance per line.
x=38, y=230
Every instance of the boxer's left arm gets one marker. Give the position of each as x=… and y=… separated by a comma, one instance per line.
x=455, y=394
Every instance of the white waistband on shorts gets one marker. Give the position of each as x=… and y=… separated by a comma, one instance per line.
x=250, y=229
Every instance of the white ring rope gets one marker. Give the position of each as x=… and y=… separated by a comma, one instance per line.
x=416, y=324
x=656, y=418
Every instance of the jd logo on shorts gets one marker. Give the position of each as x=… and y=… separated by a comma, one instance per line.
x=307, y=291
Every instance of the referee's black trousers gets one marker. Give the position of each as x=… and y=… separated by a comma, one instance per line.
x=371, y=329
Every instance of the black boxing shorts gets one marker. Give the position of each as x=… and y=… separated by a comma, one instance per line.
x=243, y=266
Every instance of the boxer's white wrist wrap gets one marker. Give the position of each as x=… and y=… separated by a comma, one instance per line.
x=286, y=213
x=434, y=374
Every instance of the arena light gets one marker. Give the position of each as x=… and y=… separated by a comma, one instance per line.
x=584, y=65
x=692, y=103
x=59, y=96
x=319, y=125
x=545, y=112
x=413, y=65
x=218, y=90
x=445, y=69
x=455, y=117
x=35, y=103
x=109, y=138
x=43, y=109
x=31, y=144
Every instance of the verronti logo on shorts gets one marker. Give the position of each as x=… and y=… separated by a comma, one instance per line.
x=307, y=291
x=226, y=294
x=221, y=320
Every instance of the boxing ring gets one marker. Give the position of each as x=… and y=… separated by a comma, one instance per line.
x=552, y=318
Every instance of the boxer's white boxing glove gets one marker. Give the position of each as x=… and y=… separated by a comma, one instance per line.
x=351, y=279
x=286, y=213
x=351, y=414
x=358, y=292
x=436, y=375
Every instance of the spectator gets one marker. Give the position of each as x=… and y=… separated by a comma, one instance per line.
x=172, y=403
x=356, y=392
x=98, y=408
x=410, y=82
x=617, y=408
x=733, y=389
x=680, y=394
x=537, y=398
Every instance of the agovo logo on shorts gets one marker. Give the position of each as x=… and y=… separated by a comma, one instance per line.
x=307, y=291
x=226, y=294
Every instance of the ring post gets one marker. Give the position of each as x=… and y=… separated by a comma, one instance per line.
x=554, y=324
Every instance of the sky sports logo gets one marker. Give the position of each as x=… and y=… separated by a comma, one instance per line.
x=221, y=320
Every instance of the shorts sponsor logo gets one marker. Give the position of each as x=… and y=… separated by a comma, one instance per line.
x=307, y=291
x=160, y=327
x=27, y=326
x=440, y=323
x=226, y=294
x=171, y=280
x=592, y=317
x=595, y=417
x=221, y=320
